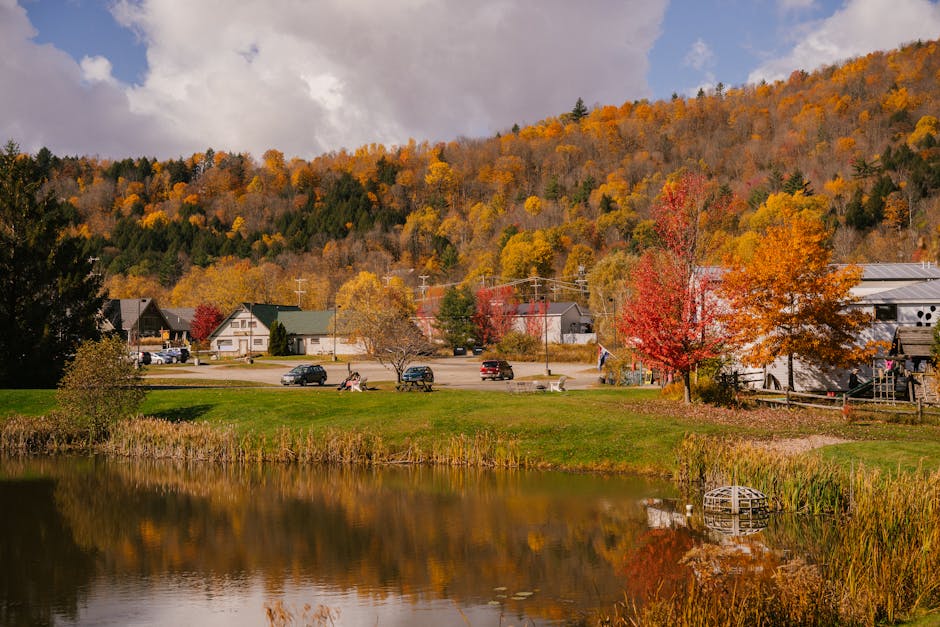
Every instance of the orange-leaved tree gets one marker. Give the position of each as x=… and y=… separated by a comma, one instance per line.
x=671, y=316
x=785, y=297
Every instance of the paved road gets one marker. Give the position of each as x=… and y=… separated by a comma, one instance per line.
x=449, y=372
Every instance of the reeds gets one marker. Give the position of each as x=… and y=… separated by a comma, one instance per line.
x=44, y=434
x=888, y=559
x=793, y=483
x=157, y=439
x=883, y=565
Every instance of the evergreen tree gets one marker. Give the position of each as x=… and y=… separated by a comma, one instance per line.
x=277, y=345
x=455, y=317
x=49, y=299
x=579, y=111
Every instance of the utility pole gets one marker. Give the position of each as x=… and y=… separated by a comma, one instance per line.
x=544, y=302
x=299, y=291
x=424, y=285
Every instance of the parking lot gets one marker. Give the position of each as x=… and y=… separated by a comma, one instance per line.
x=449, y=372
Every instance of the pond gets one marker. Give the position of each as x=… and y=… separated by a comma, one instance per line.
x=117, y=542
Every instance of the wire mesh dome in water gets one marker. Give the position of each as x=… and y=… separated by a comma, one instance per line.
x=735, y=499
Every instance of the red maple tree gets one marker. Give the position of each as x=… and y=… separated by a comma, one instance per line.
x=495, y=313
x=672, y=315
x=205, y=319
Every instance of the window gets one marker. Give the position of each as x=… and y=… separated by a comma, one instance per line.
x=221, y=343
x=886, y=313
x=314, y=340
x=259, y=341
x=252, y=324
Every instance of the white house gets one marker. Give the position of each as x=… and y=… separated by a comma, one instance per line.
x=898, y=296
x=567, y=322
x=316, y=333
x=249, y=326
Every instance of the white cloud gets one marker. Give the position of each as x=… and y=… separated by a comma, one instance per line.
x=312, y=77
x=699, y=56
x=48, y=100
x=858, y=28
x=96, y=70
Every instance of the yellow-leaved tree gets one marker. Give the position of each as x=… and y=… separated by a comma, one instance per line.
x=785, y=297
x=368, y=308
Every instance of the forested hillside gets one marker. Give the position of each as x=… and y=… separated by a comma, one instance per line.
x=543, y=199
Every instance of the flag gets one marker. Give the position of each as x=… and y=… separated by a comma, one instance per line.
x=602, y=355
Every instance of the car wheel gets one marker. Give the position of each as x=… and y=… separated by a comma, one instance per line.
x=303, y=382
x=321, y=382
x=511, y=377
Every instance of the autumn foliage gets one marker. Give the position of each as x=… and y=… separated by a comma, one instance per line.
x=206, y=318
x=787, y=300
x=671, y=317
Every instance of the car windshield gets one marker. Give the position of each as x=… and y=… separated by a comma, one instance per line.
x=297, y=370
x=490, y=364
x=414, y=370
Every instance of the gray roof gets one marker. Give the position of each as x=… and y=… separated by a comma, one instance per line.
x=307, y=322
x=123, y=313
x=924, y=292
x=899, y=271
x=180, y=318
x=554, y=308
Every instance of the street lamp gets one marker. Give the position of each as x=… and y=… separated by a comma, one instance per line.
x=139, y=300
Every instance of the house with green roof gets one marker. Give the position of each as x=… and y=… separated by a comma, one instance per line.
x=308, y=332
x=248, y=327
x=315, y=333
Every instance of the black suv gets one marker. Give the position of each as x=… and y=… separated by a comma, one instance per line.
x=496, y=369
x=304, y=374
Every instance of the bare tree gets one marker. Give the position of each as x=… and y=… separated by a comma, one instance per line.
x=397, y=342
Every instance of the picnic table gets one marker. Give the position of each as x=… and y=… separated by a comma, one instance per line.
x=413, y=386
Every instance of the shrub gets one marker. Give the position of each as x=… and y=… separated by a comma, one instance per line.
x=101, y=385
x=713, y=392
x=277, y=344
x=517, y=345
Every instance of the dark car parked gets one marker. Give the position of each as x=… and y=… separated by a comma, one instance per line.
x=304, y=374
x=418, y=374
x=496, y=369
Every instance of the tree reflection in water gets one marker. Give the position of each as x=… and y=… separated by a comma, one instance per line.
x=475, y=539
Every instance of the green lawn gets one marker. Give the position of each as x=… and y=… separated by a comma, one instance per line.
x=607, y=428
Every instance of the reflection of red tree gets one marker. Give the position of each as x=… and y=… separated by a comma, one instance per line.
x=653, y=567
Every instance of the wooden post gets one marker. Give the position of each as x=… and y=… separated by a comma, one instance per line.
x=920, y=410
x=788, y=397
x=846, y=410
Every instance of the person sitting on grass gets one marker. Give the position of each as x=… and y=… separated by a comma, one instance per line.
x=348, y=381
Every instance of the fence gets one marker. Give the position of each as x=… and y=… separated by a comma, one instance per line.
x=848, y=405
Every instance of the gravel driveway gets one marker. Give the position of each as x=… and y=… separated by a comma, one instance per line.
x=449, y=372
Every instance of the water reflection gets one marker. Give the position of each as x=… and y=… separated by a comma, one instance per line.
x=95, y=541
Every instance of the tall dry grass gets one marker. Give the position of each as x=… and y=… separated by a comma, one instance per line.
x=883, y=565
x=42, y=435
x=793, y=483
x=157, y=439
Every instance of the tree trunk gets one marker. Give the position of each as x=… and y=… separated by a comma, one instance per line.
x=687, y=387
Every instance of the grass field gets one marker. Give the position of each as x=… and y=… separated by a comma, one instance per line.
x=612, y=429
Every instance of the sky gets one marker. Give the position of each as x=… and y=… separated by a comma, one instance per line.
x=168, y=78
